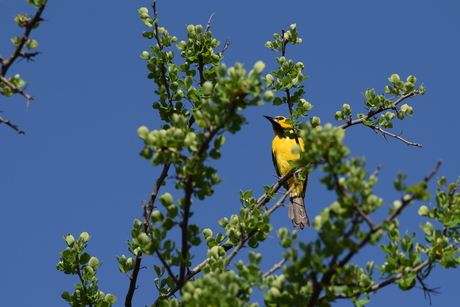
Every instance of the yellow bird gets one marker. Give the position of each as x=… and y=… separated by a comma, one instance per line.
x=282, y=153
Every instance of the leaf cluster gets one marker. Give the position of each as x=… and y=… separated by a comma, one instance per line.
x=74, y=261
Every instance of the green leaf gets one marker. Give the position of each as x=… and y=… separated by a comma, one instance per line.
x=16, y=40
x=31, y=44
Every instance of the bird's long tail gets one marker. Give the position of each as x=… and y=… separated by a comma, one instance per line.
x=297, y=212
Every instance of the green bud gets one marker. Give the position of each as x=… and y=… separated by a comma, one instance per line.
x=87, y=270
x=411, y=79
x=190, y=29
x=339, y=115
x=215, y=58
x=306, y=105
x=157, y=216
x=213, y=253
x=221, y=70
x=143, y=239
x=84, y=237
x=269, y=80
x=273, y=294
x=143, y=10
x=423, y=211
x=259, y=67
x=268, y=96
x=207, y=233
x=315, y=121
x=152, y=137
x=70, y=240
x=399, y=84
x=409, y=86
x=93, y=262
x=346, y=109
x=172, y=211
x=145, y=55
x=394, y=78
x=166, y=199
x=142, y=132
x=207, y=88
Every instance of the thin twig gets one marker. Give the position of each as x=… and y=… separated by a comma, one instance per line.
x=15, y=127
x=17, y=90
x=208, y=26
x=168, y=268
x=277, y=266
x=227, y=44
x=383, y=132
x=377, y=170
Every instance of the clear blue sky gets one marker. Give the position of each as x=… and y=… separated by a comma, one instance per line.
x=78, y=167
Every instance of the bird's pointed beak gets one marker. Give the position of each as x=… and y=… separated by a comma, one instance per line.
x=271, y=119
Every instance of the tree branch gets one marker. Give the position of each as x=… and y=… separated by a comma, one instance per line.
x=160, y=45
x=15, y=89
x=384, y=133
x=145, y=227
x=325, y=280
x=15, y=127
x=382, y=284
x=261, y=201
x=372, y=113
x=17, y=52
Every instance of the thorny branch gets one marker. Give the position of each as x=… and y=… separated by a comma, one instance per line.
x=17, y=52
x=384, y=133
x=374, y=112
x=15, y=127
x=326, y=279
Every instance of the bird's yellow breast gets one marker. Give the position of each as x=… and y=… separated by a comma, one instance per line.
x=282, y=153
